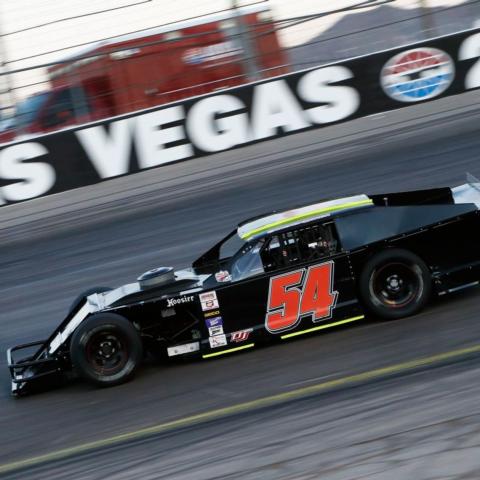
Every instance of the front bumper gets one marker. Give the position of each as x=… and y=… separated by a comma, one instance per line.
x=28, y=369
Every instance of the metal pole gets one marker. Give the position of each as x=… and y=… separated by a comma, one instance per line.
x=6, y=90
x=249, y=54
x=428, y=23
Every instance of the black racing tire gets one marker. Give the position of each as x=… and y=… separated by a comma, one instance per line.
x=395, y=283
x=106, y=349
x=85, y=294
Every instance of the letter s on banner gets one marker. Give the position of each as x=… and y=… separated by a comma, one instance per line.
x=36, y=178
x=469, y=49
x=342, y=101
x=110, y=155
x=212, y=135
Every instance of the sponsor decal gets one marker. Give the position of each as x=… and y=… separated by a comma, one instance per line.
x=171, y=302
x=209, y=53
x=223, y=276
x=417, y=74
x=307, y=292
x=215, y=326
x=212, y=331
x=217, y=341
x=209, y=300
x=214, y=322
x=211, y=314
x=183, y=349
x=240, y=336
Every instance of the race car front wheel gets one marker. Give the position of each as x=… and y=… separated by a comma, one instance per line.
x=106, y=349
x=395, y=283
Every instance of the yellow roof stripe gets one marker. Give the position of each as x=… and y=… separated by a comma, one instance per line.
x=303, y=216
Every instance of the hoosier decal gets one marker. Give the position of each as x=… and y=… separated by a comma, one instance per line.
x=171, y=302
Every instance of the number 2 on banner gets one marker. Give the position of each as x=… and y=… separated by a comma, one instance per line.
x=300, y=293
x=469, y=49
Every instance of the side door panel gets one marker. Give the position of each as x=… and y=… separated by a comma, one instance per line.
x=296, y=294
x=242, y=306
x=306, y=281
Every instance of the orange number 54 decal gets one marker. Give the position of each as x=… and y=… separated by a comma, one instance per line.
x=298, y=294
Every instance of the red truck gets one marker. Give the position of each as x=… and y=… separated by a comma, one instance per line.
x=153, y=67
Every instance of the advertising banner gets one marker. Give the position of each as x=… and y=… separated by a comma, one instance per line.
x=235, y=117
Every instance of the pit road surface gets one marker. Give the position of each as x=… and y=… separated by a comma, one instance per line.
x=108, y=234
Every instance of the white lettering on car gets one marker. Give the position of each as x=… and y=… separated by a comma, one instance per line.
x=171, y=302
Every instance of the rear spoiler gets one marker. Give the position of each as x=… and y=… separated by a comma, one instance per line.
x=473, y=181
x=468, y=192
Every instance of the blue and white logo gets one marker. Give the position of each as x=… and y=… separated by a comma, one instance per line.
x=417, y=74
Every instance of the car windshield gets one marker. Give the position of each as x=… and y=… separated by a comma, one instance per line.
x=220, y=254
x=26, y=111
x=230, y=246
x=247, y=263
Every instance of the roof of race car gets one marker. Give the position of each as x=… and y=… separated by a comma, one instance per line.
x=278, y=220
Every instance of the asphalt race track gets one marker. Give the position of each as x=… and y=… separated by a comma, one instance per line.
x=423, y=425
x=399, y=429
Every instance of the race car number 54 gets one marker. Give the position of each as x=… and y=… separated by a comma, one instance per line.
x=294, y=295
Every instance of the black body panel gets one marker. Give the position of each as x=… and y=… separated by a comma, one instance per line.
x=431, y=196
x=361, y=228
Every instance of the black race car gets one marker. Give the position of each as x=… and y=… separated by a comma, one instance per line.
x=276, y=276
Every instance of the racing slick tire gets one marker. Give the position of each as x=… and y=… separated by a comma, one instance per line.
x=85, y=294
x=395, y=283
x=106, y=349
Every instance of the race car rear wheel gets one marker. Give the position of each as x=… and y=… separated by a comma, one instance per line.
x=85, y=294
x=106, y=349
x=395, y=283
